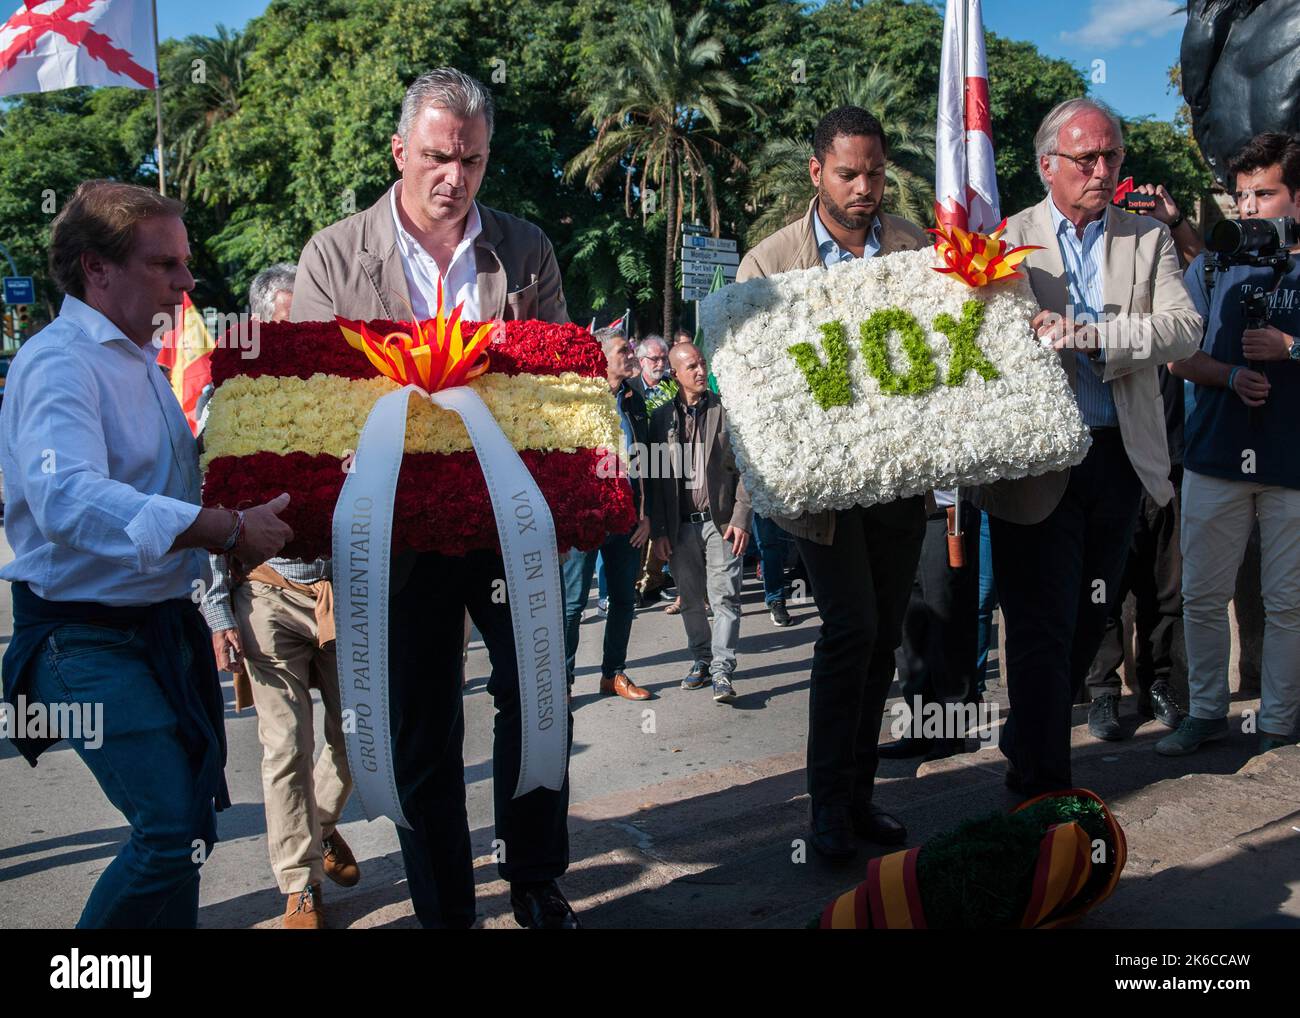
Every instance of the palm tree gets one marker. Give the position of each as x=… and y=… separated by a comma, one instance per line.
x=782, y=188
x=654, y=112
x=195, y=107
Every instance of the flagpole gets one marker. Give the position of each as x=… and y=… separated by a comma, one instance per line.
x=157, y=98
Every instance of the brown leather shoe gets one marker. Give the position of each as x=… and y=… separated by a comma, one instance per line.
x=303, y=911
x=340, y=864
x=624, y=687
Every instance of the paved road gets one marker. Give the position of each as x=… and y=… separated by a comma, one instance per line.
x=58, y=832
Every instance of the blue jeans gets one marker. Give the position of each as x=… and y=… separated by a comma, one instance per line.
x=987, y=604
x=773, y=549
x=622, y=566
x=602, y=585
x=143, y=770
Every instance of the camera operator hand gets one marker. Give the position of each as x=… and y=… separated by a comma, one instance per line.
x=1266, y=344
x=1186, y=240
x=1250, y=386
x=1166, y=209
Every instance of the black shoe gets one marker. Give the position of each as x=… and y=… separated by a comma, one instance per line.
x=1103, y=718
x=905, y=748
x=542, y=907
x=874, y=824
x=944, y=748
x=832, y=834
x=780, y=617
x=1164, y=708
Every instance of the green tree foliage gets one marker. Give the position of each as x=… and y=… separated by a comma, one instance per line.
x=782, y=187
x=656, y=113
x=288, y=127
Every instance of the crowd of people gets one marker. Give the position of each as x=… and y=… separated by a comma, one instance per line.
x=110, y=541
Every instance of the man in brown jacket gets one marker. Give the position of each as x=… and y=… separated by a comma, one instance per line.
x=700, y=518
x=382, y=263
x=861, y=561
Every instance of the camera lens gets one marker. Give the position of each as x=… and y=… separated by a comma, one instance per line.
x=1243, y=236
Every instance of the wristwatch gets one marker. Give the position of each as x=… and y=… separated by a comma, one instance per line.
x=1294, y=352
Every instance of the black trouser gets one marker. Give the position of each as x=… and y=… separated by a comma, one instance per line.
x=426, y=633
x=936, y=660
x=1055, y=582
x=1153, y=574
x=861, y=583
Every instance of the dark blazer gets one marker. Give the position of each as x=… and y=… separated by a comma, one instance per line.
x=632, y=403
x=728, y=500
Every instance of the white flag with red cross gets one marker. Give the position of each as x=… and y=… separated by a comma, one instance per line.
x=965, y=178
x=54, y=44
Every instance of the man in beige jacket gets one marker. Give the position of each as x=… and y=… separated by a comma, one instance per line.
x=861, y=561
x=1114, y=306
x=428, y=230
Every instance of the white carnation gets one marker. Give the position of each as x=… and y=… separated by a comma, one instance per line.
x=796, y=457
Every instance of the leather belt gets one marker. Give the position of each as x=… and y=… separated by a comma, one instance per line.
x=703, y=517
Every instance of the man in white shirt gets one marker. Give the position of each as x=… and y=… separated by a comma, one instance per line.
x=103, y=515
x=381, y=263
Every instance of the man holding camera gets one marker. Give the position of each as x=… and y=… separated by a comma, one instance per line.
x=1240, y=458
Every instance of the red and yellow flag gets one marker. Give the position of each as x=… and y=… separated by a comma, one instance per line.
x=187, y=355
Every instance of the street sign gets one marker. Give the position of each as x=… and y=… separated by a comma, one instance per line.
x=696, y=229
x=703, y=274
x=694, y=292
x=19, y=290
x=709, y=257
x=690, y=279
x=709, y=243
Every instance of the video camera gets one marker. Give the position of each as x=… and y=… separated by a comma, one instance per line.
x=1260, y=243
x=1253, y=241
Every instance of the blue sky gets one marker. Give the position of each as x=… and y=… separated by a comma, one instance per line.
x=1137, y=39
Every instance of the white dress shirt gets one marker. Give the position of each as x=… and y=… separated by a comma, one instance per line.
x=101, y=470
x=460, y=285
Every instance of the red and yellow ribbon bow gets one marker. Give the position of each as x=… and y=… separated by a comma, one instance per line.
x=433, y=355
x=978, y=259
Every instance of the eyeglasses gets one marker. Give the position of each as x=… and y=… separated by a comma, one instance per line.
x=1087, y=161
x=655, y=357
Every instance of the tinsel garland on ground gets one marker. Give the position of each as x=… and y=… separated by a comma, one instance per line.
x=1045, y=864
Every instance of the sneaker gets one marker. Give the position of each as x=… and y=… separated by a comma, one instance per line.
x=698, y=677
x=602, y=607
x=1270, y=742
x=1103, y=718
x=722, y=691
x=1191, y=735
x=780, y=617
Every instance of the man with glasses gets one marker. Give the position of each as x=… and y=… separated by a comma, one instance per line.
x=655, y=382
x=1114, y=307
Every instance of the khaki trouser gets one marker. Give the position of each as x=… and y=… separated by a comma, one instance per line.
x=303, y=803
x=1218, y=516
